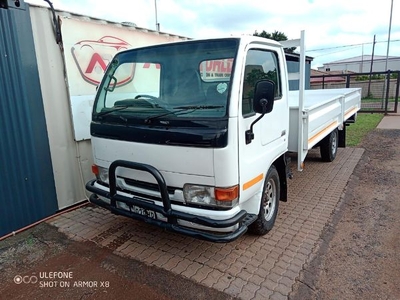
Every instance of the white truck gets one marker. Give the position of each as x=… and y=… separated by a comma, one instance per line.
x=197, y=141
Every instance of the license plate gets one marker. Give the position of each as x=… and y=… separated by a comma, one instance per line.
x=137, y=210
x=144, y=212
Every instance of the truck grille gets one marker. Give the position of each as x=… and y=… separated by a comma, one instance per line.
x=147, y=186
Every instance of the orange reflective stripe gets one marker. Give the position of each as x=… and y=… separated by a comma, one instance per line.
x=348, y=114
x=253, y=181
x=330, y=128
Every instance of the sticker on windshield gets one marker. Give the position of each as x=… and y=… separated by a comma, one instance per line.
x=221, y=87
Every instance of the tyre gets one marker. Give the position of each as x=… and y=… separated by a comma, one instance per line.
x=329, y=145
x=269, y=204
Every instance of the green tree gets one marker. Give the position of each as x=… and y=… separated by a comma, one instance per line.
x=276, y=36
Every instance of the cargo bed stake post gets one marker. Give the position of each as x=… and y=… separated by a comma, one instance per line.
x=302, y=115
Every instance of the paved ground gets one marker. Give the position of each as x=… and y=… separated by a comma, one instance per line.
x=249, y=268
x=359, y=251
x=390, y=121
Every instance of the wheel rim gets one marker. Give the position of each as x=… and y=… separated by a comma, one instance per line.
x=334, y=143
x=269, y=201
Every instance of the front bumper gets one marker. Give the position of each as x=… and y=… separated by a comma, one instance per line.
x=241, y=220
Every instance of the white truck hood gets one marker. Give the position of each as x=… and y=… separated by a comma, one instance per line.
x=182, y=161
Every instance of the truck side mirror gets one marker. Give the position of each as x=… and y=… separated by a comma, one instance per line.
x=264, y=94
x=263, y=102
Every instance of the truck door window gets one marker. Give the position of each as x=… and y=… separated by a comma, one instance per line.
x=260, y=64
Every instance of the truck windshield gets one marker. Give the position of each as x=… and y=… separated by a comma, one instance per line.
x=171, y=81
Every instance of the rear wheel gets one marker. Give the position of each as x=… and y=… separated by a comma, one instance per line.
x=329, y=145
x=269, y=204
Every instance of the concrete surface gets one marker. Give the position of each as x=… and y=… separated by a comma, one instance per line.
x=390, y=121
x=250, y=268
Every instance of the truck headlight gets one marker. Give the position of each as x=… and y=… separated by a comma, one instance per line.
x=100, y=173
x=211, y=196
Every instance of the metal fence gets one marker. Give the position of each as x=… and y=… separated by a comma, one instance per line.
x=380, y=90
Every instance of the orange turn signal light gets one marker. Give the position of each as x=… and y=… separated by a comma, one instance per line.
x=95, y=170
x=227, y=194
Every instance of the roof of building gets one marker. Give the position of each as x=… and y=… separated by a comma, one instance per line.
x=361, y=58
x=329, y=78
x=127, y=24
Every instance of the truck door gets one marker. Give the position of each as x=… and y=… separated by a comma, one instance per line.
x=270, y=133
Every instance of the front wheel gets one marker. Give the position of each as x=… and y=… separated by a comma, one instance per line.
x=329, y=146
x=269, y=204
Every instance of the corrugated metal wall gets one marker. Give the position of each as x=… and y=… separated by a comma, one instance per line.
x=27, y=190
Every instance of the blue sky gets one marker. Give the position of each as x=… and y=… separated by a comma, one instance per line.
x=331, y=25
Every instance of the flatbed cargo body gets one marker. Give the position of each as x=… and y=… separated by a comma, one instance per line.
x=323, y=111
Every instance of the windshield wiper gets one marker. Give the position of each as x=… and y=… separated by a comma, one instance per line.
x=195, y=107
x=103, y=113
x=136, y=103
x=183, y=109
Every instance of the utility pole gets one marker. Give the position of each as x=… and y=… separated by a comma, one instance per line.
x=157, y=24
x=390, y=28
x=370, y=70
x=386, y=63
x=362, y=59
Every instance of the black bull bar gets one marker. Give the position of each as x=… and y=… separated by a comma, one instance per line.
x=243, y=219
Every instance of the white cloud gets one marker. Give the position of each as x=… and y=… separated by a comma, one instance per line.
x=328, y=23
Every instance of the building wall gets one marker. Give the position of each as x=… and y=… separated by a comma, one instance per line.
x=364, y=66
x=61, y=84
x=294, y=67
x=71, y=160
